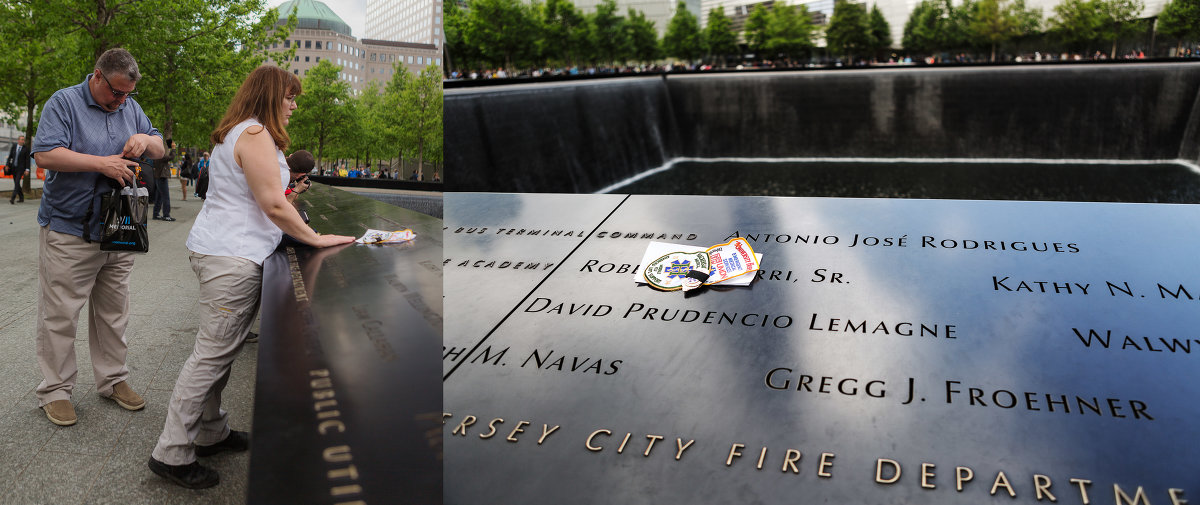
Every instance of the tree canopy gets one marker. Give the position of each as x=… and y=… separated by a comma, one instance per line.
x=849, y=31
x=683, y=39
x=789, y=31
x=643, y=37
x=880, y=32
x=756, y=31
x=193, y=55
x=560, y=34
x=1180, y=20
x=719, y=36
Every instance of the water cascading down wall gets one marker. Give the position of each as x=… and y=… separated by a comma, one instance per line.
x=582, y=136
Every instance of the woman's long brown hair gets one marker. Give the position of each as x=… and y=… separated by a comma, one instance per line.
x=261, y=96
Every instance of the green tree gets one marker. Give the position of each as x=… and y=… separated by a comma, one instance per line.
x=102, y=25
x=643, y=37
x=683, y=39
x=719, y=35
x=957, y=34
x=364, y=134
x=993, y=24
x=922, y=30
x=1119, y=19
x=195, y=54
x=374, y=117
x=937, y=25
x=418, y=98
x=849, y=31
x=1029, y=20
x=879, y=31
x=502, y=31
x=756, y=31
x=789, y=31
x=1077, y=23
x=564, y=32
x=612, y=41
x=460, y=52
x=354, y=137
x=320, y=110
x=191, y=53
x=1180, y=20
x=31, y=65
x=388, y=117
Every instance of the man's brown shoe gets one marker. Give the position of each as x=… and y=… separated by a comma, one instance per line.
x=126, y=398
x=60, y=412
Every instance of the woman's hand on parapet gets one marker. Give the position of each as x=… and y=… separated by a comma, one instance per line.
x=332, y=240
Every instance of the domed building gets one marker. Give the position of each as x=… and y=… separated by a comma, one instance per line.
x=321, y=34
x=314, y=15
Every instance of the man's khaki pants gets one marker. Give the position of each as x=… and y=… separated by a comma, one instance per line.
x=229, y=293
x=71, y=272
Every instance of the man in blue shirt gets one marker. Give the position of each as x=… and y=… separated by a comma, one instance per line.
x=84, y=135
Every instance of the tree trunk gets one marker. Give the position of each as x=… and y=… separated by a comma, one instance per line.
x=993, y=52
x=320, y=145
x=421, y=145
x=1153, y=33
x=168, y=124
x=420, y=160
x=30, y=106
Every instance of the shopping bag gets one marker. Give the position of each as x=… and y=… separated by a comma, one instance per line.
x=123, y=220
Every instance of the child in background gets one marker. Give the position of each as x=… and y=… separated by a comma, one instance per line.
x=300, y=163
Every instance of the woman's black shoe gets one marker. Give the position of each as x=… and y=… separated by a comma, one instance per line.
x=237, y=441
x=191, y=476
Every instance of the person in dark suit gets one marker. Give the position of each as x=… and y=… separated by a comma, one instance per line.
x=162, y=194
x=18, y=164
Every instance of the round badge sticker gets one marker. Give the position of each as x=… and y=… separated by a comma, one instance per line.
x=670, y=270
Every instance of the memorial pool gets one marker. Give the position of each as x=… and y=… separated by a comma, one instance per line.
x=1148, y=182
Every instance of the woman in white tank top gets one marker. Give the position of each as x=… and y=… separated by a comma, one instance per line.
x=241, y=222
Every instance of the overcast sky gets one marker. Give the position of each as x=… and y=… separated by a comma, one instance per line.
x=353, y=12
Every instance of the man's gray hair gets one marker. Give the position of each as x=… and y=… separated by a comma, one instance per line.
x=118, y=60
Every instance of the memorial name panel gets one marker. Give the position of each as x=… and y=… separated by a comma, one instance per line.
x=497, y=249
x=348, y=396
x=890, y=351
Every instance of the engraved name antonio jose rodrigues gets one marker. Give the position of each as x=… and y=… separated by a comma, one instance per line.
x=955, y=392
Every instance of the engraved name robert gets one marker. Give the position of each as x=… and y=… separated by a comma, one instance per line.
x=955, y=393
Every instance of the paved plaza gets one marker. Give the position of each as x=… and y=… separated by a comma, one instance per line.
x=102, y=458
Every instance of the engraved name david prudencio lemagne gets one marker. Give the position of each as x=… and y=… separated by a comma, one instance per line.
x=836, y=323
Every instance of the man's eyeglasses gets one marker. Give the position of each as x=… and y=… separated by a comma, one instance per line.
x=117, y=94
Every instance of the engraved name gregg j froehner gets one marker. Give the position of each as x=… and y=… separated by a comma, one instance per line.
x=954, y=392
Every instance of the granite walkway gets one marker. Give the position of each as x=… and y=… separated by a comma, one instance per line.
x=102, y=458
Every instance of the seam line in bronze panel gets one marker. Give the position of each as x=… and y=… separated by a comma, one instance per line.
x=535, y=288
